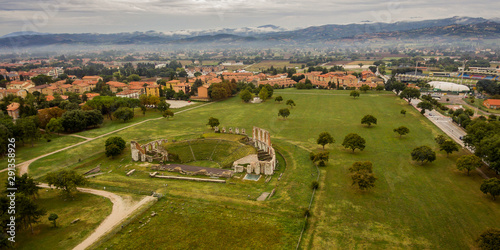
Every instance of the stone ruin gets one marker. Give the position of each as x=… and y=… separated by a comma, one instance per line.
x=238, y=131
x=149, y=152
x=261, y=139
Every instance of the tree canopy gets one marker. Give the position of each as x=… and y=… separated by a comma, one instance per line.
x=354, y=94
x=354, y=141
x=124, y=114
x=423, y=154
x=489, y=239
x=325, y=138
x=290, y=103
x=66, y=180
x=448, y=146
x=402, y=131
x=213, y=122
x=409, y=94
x=284, y=113
x=369, y=120
x=491, y=186
x=468, y=162
x=320, y=158
x=246, y=95
x=362, y=175
x=114, y=146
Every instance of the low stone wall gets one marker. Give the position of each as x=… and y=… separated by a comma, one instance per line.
x=194, y=170
x=188, y=178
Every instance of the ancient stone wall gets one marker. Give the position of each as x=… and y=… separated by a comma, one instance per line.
x=261, y=140
x=149, y=151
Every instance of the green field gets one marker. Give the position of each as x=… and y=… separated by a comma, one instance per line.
x=412, y=206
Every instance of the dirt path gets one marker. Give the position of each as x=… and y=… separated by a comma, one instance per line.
x=121, y=210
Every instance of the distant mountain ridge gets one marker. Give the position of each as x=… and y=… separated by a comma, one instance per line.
x=448, y=27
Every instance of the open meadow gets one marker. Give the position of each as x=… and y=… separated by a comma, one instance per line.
x=431, y=206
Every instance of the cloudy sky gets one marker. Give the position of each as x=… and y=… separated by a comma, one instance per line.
x=110, y=16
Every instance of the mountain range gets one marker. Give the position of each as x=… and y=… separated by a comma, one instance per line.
x=447, y=28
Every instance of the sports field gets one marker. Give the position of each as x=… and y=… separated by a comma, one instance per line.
x=430, y=206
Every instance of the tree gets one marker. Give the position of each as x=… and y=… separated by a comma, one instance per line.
x=66, y=180
x=491, y=186
x=354, y=94
x=410, y=93
x=315, y=185
x=74, y=120
x=279, y=99
x=263, y=94
x=468, y=162
x=213, y=122
x=246, y=95
x=143, y=109
x=45, y=115
x=402, y=131
x=124, y=114
x=163, y=106
x=29, y=129
x=320, y=158
x=379, y=88
x=290, y=103
x=369, y=120
x=440, y=139
x=448, y=146
x=93, y=118
x=53, y=218
x=423, y=154
x=114, y=146
x=364, y=88
x=362, y=175
x=489, y=239
x=25, y=185
x=284, y=113
x=168, y=113
x=403, y=112
x=354, y=141
x=425, y=105
x=112, y=150
x=28, y=211
x=325, y=138
x=398, y=87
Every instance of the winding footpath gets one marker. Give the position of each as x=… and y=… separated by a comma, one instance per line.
x=121, y=209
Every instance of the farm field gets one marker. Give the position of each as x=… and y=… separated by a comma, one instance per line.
x=431, y=206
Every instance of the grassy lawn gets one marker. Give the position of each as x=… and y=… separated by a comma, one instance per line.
x=41, y=147
x=90, y=209
x=412, y=206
